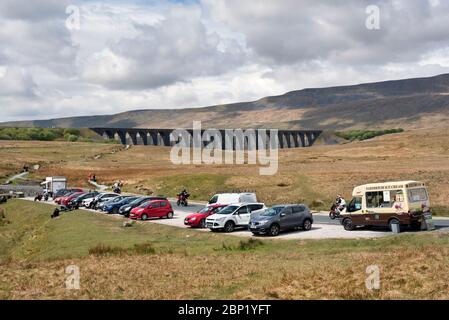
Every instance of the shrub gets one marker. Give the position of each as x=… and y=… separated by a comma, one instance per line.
x=104, y=250
x=249, y=244
x=43, y=134
x=74, y=132
x=365, y=134
x=144, y=248
x=71, y=137
x=244, y=245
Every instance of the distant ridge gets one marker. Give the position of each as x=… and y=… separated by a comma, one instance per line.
x=408, y=103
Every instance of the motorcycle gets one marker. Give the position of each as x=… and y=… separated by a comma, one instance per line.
x=182, y=199
x=117, y=190
x=334, y=213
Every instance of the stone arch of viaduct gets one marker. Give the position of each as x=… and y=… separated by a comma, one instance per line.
x=165, y=137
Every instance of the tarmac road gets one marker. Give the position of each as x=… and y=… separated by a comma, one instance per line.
x=323, y=227
x=320, y=217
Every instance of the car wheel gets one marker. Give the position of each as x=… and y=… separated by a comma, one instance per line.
x=170, y=215
x=115, y=211
x=274, y=230
x=394, y=221
x=229, y=226
x=203, y=224
x=348, y=225
x=307, y=225
x=144, y=217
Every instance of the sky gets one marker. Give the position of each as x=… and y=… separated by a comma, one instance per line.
x=63, y=58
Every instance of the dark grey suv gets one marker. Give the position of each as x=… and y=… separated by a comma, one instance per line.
x=280, y=218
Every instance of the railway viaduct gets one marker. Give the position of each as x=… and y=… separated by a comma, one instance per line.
x=165, y=137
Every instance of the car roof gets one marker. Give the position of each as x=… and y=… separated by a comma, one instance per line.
x=240, y=204
x=289, y=205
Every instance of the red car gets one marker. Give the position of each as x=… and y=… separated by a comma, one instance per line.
x=152, y=209
x=198, y=219
x=63, y=201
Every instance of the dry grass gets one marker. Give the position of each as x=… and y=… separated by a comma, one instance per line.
x=405, y=274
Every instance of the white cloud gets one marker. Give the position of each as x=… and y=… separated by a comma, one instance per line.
x=167, y=55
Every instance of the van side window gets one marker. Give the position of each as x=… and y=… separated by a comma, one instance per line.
x=416, y=195
x=214, y=199
x=383, y=199
x=374, y=199
x=355, y=204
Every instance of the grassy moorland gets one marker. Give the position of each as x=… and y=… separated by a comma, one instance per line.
x=152, y=261
x=311, y=175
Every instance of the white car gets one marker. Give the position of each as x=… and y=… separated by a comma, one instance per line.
x=234, y=216
x=86, y=202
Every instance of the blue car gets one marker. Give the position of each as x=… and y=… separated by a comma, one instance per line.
x=114, y=205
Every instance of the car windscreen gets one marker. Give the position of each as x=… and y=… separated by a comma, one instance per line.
x=144, y=205
x=204, y=210
x=272, y=211
x=129, y=200
x=228, y=210
x=136, y=202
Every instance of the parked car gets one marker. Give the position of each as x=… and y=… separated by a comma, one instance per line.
x=229, y=198
x=61, y=199
x=198, y=219
x=64, y=201
x=114, y=205
x=77, y=202
x=152, y=209
x=234, y=216
x=103, y=201
x=126, y=209
x=64, y=192
x=403, y=203
x=100, y=198
x=280, y=218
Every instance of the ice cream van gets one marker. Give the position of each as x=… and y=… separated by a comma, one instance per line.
x=383, y=204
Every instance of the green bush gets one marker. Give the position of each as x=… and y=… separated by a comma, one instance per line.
x=40, y=134
x=74, y=132
x=71, y=137
x=365, y=134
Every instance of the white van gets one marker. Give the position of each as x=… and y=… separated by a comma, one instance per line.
x=228, y=198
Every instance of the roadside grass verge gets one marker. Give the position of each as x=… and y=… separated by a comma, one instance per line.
x=151, y=261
